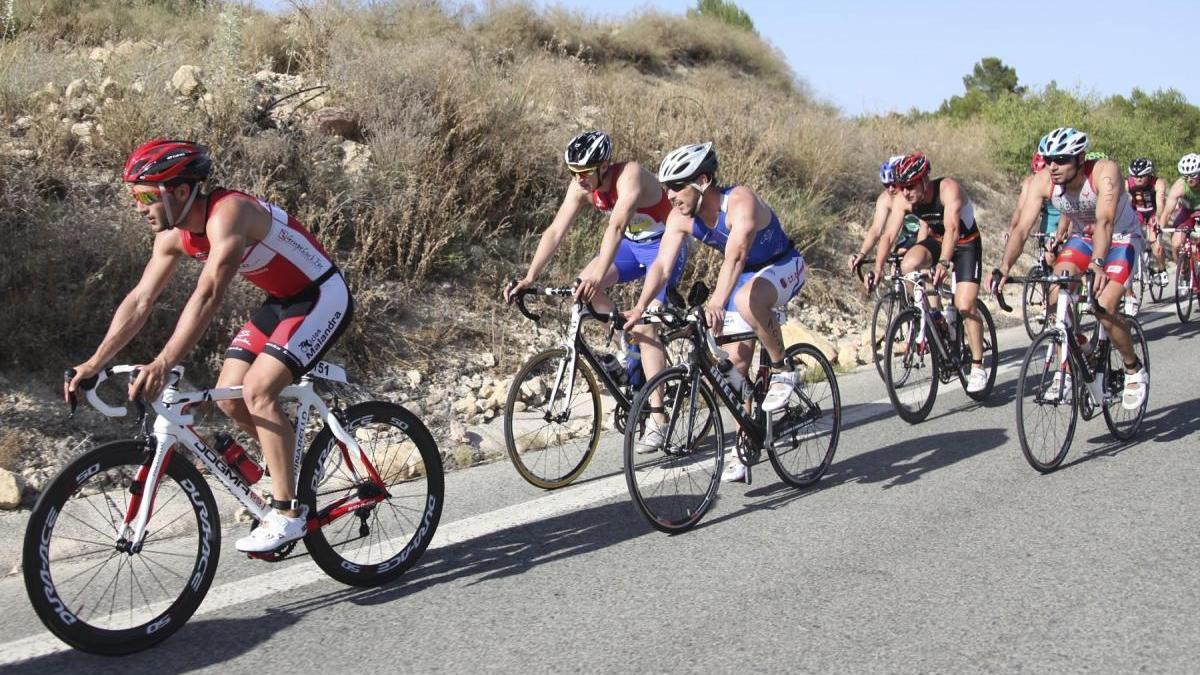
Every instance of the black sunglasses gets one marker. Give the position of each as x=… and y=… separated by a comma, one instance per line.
x=1059, y=159
x=677, y=185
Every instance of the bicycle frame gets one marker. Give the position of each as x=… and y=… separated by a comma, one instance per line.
x=921, y=302
x=174, y=426
x=1064, y=326
x=576, y=347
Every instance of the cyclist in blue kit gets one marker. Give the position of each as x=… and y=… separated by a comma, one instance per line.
x=761, y=272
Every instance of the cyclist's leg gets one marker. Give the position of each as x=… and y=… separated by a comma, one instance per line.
x=1118, y=266
x=919, y=257
x=968, y=273
x=245, y=347
x=1075, y=256
x=652, y=352
x=625, y=268
x=309, y=327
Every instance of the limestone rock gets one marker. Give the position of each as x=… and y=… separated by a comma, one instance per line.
x=186, y=81
x=794, y=332
x=10, y=490
x=76, y=88
x=413, y=377
x=337, y=122
x=356, y=157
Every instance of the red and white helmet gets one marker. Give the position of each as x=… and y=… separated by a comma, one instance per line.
x=913, y=167
x=167, y=162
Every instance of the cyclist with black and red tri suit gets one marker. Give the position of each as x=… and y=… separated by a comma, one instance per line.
x=308, y=306
x=952, y=242
x=637, y=208
x=1148, y=195
x=1183, y=201
x=1105, y=237
x=760, y=273
x=883, y=206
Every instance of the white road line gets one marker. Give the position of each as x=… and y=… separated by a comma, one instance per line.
x=294, y=576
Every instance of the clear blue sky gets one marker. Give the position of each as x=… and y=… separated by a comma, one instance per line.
x=869, y=56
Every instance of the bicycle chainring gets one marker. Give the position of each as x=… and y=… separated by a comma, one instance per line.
x=278, y=555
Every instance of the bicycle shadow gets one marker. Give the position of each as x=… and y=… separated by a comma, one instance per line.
x=202, y=643
x=1163, y=425
x=891, y=466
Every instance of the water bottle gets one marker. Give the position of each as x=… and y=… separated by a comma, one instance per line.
x=236, y=457
x=733, y=376
x=633, y=367
x=951, y=317
x=939, y=323
x=612, y=366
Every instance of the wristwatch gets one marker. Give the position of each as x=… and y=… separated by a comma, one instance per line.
x=1098, y=262
x=946, y=263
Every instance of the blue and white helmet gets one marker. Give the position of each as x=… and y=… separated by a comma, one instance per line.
x=1189, y=164
x=887, y=170
x=1063, y=141
x=588, y=149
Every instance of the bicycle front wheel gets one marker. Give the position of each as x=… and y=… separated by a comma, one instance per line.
x=1034, y=307
x=552, y=419
x=675, y=484
x=911, y=365
x=881, y=318
x=806, y=430
x=86, y=585
x=1121, y=422
x=1047, y=391
x=1183, y=288
x=1156, y=286
x=371, y=535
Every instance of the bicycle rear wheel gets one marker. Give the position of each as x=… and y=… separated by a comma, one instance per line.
x=89, y=592
x=550, y=448
x=1156, y=288
x=1183, y=288
x=1047, y=411
x=675, y=485
x=378, y=540
x=911, y=366
x=1123, y=423
x=1035, y=307
x=806, y=430
x=991, y=352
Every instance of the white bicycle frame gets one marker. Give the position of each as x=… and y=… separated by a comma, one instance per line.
x=173, y=426
x=567, y=367
x=1064, y=327
x=917, y=280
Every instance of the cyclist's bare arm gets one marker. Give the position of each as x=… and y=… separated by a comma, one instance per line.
x=631, y=185
x=891, y=230
x=679, y=228
x=952, y=197
x=1160, y=200
x=883, y=206
x=1039, y=189
x=133, y=311
x=1107, y=179
x=745, y=214
x=1172, y=202
x=1012, y=222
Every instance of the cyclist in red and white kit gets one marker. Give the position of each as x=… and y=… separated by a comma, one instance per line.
x=308, y=305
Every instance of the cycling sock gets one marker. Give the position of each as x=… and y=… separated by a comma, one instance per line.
x=1137, y=365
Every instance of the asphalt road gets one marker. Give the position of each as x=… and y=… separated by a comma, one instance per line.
x=925, y=548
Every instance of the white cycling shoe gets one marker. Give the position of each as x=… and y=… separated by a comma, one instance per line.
x=1133, y=397
x=735, y=471
x=782, y=386
x=977, y=380
x=1060, y=383
x=274, y=531
x=652, y=439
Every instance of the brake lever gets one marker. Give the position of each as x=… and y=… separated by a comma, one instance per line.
x=86, y=383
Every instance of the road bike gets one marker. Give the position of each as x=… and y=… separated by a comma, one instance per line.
x=553, y=413
x=1070, y=372
x=1187, y=271
x=676, y=484
x=123, y=544
x=1034, y=304
x=925, y=347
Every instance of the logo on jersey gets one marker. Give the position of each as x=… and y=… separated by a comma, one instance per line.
x=313, y=344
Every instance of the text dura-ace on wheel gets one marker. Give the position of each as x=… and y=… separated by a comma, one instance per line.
x=95, y=596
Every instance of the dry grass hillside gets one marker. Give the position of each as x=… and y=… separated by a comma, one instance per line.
x=420, y=142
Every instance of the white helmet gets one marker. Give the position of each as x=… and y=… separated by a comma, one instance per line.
x=685, y=163
x=1189, y=164
x=1063, y=141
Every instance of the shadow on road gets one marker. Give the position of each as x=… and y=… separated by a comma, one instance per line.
x=1162, y=425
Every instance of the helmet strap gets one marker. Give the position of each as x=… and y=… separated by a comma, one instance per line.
x=701, y=191
x=172, y=221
